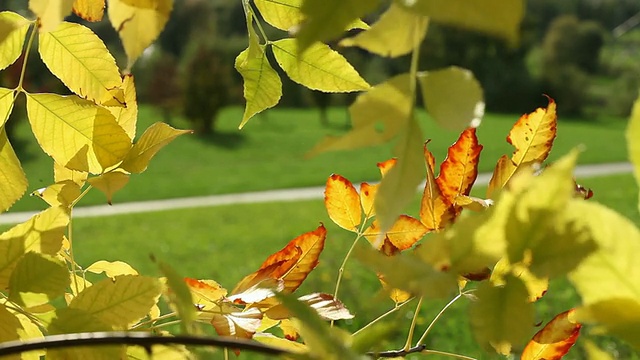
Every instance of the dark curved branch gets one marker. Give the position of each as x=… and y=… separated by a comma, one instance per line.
x=143, y=339
x=397, y=353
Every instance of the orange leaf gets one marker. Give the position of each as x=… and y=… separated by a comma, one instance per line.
x=90, y=10
x=554, y=340
x=404, y=233
x=460, y=169
x=342, y=202
x=367, y=198
x=501, y=174
x=398, y=296
x=385, y=166
x=435, y=212
x=289, y=329
x=292, y=264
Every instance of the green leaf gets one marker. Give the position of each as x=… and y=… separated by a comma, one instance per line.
x=13, y=31
x=50, y=12
x=119, y=301
x=13, y=181
x=495, y=17
x=37, y=279
x=615, y=316
x=70, y=321
x=399, y=186
x=262, y=85
x=281, y=14
x=109, y=183
x=9, y=328
x=453, y=97
x=77, y=133
x=633, y=145
x=613, y=270
x=377, y=116
x=386, y=38
x=79, y=58
x=180, y=296
x=318, y=68
x=502, y=317
x=327, y=19
x=43, y=233
x=138, y=25
x=152, y=140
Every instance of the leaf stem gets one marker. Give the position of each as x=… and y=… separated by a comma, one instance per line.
x=73, y=261
x=426, y=332
x=444, y=353
x=150, y=321
x=412, y=329
x=75, y=202
x=253, y=15
x=391, y=311
x=34, y=30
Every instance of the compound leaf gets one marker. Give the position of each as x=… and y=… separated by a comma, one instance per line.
x=342, y=203
x=13, y=30
x=152, y=140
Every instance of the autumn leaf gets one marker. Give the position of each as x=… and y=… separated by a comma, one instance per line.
x=617, y=316
x=536, y=286
x=403, y=234
x=206, y=296
x=127, y=117
x=554, y=340
x=292, y=264
x=435, y=212
x=398, y=296
x=50, y=12
x=367, y=198
x=62, y=174
x=109, y=183
x=63, y=193
x=327, y=307
x=152, y=140
x=37, y=279
x=90, y=10
x=459, y=170
x=13, y=30
x=111, y=268
x=342, y=203
x=235, y=323
x=13, y=181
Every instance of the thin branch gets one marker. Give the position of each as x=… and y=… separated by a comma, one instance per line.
x=143, y=339
x=397, y=353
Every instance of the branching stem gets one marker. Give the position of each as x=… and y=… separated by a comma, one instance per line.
x=391, y=311
x=407, y=345
x=34, y=30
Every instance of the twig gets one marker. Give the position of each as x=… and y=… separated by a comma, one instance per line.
x=397, y=353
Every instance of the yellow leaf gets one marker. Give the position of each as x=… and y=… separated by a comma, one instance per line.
x=43, y=233
x=13, y=181
x=495, y=17
x=435, y=212
x=280, y=343
x=37, y=279
x=9, y=331
x=318, y=68
x=397, y=296
x=367, y=198
x=386, y=38
x=109, y=183
x=50, y=12
x=119, y=301
x=82, y=62
x=61, y=174
x=633, y=145
x=614, y=316
x=138, y=24
x=453, y=97
x=594, y=353
x=342, y=202
x=533, y=135
x=327, y=19
x=159, y=352
x=127, y=117
x=63, y=193
x=404, y=233
x=282, y=14
x=13, y=30
x=502, y=317
x=537, y=286
x=111, y=268
x=29, y=331
x=77, y=133
x=69, y=320
x=90, y=10
x=7, y=98
x=387, y=104
x=154, y=138
x=262, y=85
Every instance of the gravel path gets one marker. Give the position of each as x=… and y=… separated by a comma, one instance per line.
x=261, y=196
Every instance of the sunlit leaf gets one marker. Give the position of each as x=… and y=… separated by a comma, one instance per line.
x=43, y=233
x=76, y=133
x=472, y=203
x=152, y=140
x=205, y=295
x=435, y=211
x=262, y=85
x=403, y=234
x=495, y=17
x=632, y=135
x=159, y=352
x=503, y=171
x=327, y=19
x=138, y=26
x=286, y=14
x=37, y=279
x=367, y=198
x=593, y=352
x=7, y=98
x=453, y=97
x=62, y=174
x=377, y=116
x=69, y=321
x=239, y=324
x=29, y=331
x=79, y=58
x=328, y=307
x=554, y=340
x=127, y=117
x=13, y=30
x=63, y=193
x=614, y=316
x=502, y=317
x=180, y=296
x=459, y=170
x=90, y=10
x=386, y=38
x=265, y=289
x=342, y=203
x=398, y=187
x=280, y=343
x=318, y=68
x=111, y=268
x=13, y=181
x=109, y=183
x=537, y=286
x=398, y=296
x=119, y=301
x=50, y=12
x=9, y=329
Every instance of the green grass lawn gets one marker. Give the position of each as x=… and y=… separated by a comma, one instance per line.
x=269, y=154
x=225, y=243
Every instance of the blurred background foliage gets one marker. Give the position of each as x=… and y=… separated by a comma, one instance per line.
x=583, y=53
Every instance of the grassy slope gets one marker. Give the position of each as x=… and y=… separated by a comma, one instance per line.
x=226, y=243
x=269, y=154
